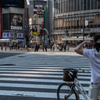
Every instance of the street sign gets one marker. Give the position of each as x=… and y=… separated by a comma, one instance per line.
x=86, y=22
x=34, y=33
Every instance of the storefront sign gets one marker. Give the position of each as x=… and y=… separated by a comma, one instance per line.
x=7, y=35
x=16, y=27
x=16, y=21
x=74, y=19
x=19, y=35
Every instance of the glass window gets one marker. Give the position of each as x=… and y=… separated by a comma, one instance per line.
x=98, y=4
x=88, y=5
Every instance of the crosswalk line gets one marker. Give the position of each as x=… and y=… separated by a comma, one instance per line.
x=48, y=75
x=28, y=94
x=38, y=75
x=40, y=80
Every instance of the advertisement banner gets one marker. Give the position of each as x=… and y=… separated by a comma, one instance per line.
x=39, y=7
x=16, y=21
x=34, y=30
x=19, y=35
x=7, y=35
x=0, y=22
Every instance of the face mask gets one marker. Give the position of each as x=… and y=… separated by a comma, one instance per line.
x=97, y=46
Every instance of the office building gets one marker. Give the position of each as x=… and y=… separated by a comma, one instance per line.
x=12, y=19
x=76, y=20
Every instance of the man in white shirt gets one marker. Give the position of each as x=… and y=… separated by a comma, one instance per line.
x=94, y=57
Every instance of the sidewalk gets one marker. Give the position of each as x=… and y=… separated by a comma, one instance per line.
x=71, y=49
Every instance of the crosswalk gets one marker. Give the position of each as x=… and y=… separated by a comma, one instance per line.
x=35, y=83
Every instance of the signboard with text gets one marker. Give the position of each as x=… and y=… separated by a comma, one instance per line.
x=19, y=35
x=12, y=21
x=7, y=35
x=16, y=21
x=39, y=7
x=34, y=30
x=12, y=3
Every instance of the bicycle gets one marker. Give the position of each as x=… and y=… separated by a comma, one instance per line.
x=71, y=88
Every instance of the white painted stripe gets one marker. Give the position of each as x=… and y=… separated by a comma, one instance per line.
x=44, y=72
x=40, y=80
x=84, y=74
x=32, y=80
x=28, y=94
x=31, y=94
x=28, y=86
x=34, y=72
x=53, y=70
x=37, y=86
x=41, y=68
x=46, y=76
x=34, y=67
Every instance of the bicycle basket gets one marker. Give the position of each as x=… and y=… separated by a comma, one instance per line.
x=69, y=74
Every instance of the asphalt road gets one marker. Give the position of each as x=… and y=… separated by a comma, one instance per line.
x=4, y=54
x=37, y=75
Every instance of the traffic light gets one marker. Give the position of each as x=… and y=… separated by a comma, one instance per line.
x=42, y=32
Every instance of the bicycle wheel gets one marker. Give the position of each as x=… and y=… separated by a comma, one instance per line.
x=67, y=92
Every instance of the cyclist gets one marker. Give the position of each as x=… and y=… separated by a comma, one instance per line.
x=93, y=55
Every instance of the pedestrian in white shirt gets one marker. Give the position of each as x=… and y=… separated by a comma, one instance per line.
x=93, y=55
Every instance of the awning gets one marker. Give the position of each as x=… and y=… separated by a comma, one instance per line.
x=75, y=39
x=4, y=40
x=21, y=39
x=56, y=33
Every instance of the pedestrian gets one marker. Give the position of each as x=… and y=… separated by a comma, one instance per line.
x=51, y=45
x=64, y=47
x=2, y=45
x=45, y=47
x=93, y=54
x=5, y=46
x=37, y=46
x=68, y=46
x=10, y=44
x=27, y=46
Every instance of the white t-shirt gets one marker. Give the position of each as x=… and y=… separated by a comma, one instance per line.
x=94, y=58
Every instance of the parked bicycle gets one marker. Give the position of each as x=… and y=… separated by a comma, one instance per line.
x=71, y=88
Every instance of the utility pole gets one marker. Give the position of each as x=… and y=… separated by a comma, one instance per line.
x=83, y=20
x=44, y=26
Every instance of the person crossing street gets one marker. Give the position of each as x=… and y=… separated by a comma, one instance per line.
x=93, y=55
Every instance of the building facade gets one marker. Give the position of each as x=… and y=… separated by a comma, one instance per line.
x=37, y=19
x=12, y=19
x=76, y=20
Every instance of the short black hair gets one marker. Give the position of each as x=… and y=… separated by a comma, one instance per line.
x=96, y=37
